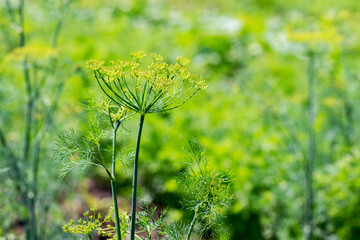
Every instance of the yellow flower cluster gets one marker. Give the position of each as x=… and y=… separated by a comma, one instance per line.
x=160, y=74
x=138, y=55
x=156, y=57
x=84, y=226
x=34, y=53
x=119, y=115
x=146, y=89
x=316, y=36
x=103, y=227
x=94, y=64
x=41, y=56
x=182, y=61
x=198, y=81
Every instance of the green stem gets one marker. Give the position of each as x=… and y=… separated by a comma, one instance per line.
x=191, y=227
x=28, y=112
x=113, y=186
x=60, y=23
x=89, y=235
x=21, y=23
x=31, y=228
x=134, y=187
x=32, y=215
x=114, y=149
x=33, y=189
x=309, y=168
x=16, y=173
x=116, y=210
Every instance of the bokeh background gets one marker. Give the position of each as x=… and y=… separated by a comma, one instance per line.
x=281, y=110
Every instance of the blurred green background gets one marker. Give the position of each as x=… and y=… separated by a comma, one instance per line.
x=261, y=59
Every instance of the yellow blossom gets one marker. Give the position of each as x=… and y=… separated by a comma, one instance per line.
x=157, y=57
x=182, y=61
x=94, y=64
x=138, y=55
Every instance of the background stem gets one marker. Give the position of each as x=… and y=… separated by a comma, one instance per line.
x=60, y=23
x=309, y=168
x=31, y=233
x=134, y=188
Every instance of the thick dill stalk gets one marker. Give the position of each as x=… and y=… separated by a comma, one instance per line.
x=134, y=187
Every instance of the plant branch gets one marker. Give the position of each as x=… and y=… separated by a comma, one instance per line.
x=10, y=12
x=19, y=182
x=21, y=23
x=60, y=23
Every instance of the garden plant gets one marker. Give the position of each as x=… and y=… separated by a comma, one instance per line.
x=25, y=160
x=130, y=88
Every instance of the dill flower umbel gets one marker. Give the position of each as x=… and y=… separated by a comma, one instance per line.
x=158, y=87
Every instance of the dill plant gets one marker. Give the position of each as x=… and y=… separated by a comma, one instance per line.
x=206, y=192
x=157, y=87
x=312, y=44
x=73, y=152
x=40, y=71
x=129, y=88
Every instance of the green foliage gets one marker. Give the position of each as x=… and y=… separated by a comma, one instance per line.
x=206, y=191
x=92, y=149
x=72, y=152
x=149, y=220
x=175, y=231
